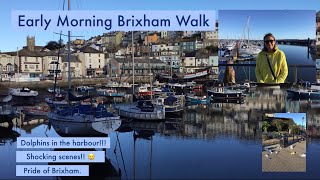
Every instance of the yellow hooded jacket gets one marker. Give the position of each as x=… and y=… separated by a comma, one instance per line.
x=278, y=64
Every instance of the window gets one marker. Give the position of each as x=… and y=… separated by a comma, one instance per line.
x=90, y=66
x=99, y=66
x=99, y=59
x=26, y=66
x=89, y=60
x=99, y=56
x=89, y=55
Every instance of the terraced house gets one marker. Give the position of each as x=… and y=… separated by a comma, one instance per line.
x=92, y=61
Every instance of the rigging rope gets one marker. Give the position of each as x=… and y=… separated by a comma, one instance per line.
x=124, y=167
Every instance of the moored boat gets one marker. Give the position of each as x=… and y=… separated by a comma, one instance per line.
x=23, y=92
x=222, y=93
x=143, y=110
x=36, y=110
x=110, y=93
x=197, y=99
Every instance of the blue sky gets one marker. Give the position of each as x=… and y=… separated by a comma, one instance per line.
x=297, y=117
x=11, y=39
x=283, y=24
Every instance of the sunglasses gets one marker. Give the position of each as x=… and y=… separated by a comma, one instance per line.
x=269, y=41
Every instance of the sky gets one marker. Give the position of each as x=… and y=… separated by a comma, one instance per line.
x=283, y=24
x=12, y=39
x=297, y=117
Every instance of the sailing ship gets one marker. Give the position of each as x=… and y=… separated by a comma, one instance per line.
x=80, y=113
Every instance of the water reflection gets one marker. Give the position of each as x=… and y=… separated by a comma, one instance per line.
x=180, y=147
x=69, y=129
x=8, y=135
x=96, y=170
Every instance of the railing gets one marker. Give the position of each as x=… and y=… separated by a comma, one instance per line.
x=292, y=68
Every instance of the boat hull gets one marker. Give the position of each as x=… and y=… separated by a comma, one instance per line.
x=303, y=95
x=133, y=112
x=216, y=95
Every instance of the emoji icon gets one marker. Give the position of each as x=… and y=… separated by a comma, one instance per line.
x=91, y=156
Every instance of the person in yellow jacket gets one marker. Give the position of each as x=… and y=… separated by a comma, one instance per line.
x=271, y=65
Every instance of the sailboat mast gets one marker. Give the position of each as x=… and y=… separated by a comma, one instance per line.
x=248, y=29
x=69, y=73
x=249, y=47
x=132, y=45
x=18, y=63
x=149, y=62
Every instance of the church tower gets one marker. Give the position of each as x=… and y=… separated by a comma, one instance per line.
x=30, y=43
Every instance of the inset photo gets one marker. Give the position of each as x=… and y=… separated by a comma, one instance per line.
x=284, y=142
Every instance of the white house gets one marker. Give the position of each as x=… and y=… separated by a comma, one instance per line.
x=93, y=61
x=8, y=65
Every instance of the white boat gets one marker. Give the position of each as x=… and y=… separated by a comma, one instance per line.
x=112, y=84
x=194, y=75
x=143, y=110
x=85, y=88
x=110, y=93
x=23, y=92
x=55, y=103
x=124, y=85
x=229, y=47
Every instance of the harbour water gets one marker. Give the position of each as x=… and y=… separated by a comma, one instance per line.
x=295, y=55
x=218, y=140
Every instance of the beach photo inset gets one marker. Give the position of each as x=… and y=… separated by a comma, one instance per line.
x=284, y=142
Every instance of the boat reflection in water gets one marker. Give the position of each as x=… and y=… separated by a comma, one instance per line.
x=7, y=135
x=100, y=128
x=97, y=129
x=96, y=170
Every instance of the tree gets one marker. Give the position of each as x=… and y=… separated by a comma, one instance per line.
x=54, y=45
x=295, y=129
x=265, y=126
x=280, y=125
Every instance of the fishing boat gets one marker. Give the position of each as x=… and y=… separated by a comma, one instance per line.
x=143, y=91
x=171, y=104
x=143, y=110
x=23, y=92
x=222, y=93
x=36, y=110
x=197, y=99
x=110, y=93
